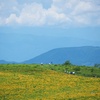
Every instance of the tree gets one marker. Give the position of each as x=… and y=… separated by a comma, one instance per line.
x=67, y=62
x=97, y=65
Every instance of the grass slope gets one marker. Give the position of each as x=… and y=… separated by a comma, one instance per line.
x=46, y=82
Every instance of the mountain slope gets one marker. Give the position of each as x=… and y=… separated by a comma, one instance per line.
x=3, y=62
x=86, y=55
x=6, y=62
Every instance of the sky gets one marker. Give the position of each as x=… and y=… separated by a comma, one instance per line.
x=29, y=28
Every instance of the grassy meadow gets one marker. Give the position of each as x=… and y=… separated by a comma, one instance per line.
x=49, y=82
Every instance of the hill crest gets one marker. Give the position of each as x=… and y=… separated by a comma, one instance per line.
x=85, y=55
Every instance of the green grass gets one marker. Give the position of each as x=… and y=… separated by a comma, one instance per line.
x=34, y=68
x=48, y=82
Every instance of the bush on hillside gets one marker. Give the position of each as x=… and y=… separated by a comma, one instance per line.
x=97, y=65
x=67, y=63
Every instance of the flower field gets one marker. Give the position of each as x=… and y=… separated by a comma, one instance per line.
x=45, y=84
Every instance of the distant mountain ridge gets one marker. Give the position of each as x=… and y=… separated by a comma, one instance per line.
x=6, y=62
x=85, y=55
x=3, y=62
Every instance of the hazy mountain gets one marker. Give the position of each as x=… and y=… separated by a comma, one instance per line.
x=3, y=62
x=86, y=55
x=6, y=62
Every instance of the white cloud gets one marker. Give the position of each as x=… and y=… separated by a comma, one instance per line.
x=32, y=14
x=12, y=19
x=61, y=12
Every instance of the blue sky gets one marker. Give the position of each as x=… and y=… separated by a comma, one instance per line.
x=31, y=27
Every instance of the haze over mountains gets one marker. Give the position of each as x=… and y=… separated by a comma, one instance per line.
x=85, y=55
x=7, y=62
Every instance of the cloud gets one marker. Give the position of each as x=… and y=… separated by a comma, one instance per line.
x=60, y=13
x=31, y=14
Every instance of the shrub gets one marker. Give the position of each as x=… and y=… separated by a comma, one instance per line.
x=67, y=63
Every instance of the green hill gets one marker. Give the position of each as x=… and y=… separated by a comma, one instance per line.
x=48, y=82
